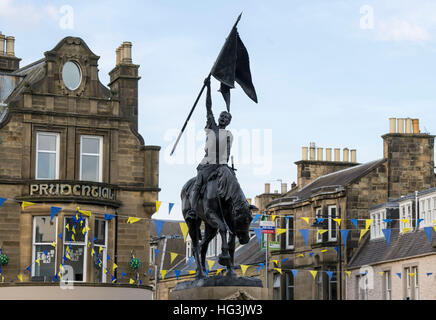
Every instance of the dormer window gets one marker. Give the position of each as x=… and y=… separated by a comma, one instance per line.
x=71, y=75
x=378, y=224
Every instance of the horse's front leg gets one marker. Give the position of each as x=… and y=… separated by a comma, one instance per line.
x=232, y=246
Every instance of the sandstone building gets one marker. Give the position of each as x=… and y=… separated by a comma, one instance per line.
x=68, y=141
x=331, y=189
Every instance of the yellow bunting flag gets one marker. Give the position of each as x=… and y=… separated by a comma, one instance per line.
x=348, y=273
x=313, y=273
x=279, y=231
x=321, y=231
x=381, y=273
x=163, y=273
x=67, y=249
x=67, y=227
x=37, y=261
x=73, y=237
x=158, y=203
x=367, y=223
x=274, y=217
x=219, y=271
x=184, y=229
x=53, y=244
x=192, y=271
x=132, y=220
x=114, y=267
x=406, y=221
x=405, y=230
x=105, y=271
x=85, y=230
x=173, y=256
x=100, y=249
x=279, y=270
x=244, y=268
x=325, y=250
x=300, y=255
x=210, y=263
x=74, y=229
x=86, y=213
x=68, y=256
x=20, y=277
x=276, y=262
x=338, y=221
x=26, y=204
x=305, y=219
x=92, y=252
x=362, y=233
x=131, y=281
x=412, y=274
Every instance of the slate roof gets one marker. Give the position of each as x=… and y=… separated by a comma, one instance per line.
x=331, y=182
x=376, y=251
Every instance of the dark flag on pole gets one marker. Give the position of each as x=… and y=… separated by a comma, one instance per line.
x=233, y=65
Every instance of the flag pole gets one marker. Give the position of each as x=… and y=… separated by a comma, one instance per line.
x=199, y=95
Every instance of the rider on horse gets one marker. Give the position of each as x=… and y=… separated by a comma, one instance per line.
x=217, y=151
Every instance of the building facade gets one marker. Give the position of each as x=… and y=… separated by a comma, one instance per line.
x=70, y=144
x=330, y=196
x=396, y=260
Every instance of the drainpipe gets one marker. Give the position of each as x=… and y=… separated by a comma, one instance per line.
x=116, y=243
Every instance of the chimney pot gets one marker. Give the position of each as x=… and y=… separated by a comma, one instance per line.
x=415, y=126
x=353, y=156
x=127, y=52
x=408, y=125
x=400, y=125
x=10, y=44
x=392, y=125
x=2, y=44
x=118, y=55
x=284, y=188
x=304, y=153
x=312, y=151
x=337, y=154
x=346, y=155
x=328, y=154
x=267, y=188
x=320, y=154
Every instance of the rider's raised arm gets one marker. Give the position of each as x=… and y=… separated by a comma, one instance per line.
x=210, y=118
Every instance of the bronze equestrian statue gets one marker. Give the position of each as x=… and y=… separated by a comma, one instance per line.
x=215, y=196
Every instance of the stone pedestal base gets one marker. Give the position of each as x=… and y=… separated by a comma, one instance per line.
x=220, y=293
x=220, y=288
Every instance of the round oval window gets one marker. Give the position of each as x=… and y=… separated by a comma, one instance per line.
x=71, y=75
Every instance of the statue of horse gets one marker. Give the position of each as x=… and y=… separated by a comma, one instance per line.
x=223, y=208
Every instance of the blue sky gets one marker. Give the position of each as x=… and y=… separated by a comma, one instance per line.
x=320, y=76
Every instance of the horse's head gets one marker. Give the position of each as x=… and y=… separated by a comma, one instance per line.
x=242, y=220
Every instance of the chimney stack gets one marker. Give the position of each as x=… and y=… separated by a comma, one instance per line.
x=8, y=61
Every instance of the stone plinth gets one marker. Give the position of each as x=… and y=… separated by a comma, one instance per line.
x=220, y=288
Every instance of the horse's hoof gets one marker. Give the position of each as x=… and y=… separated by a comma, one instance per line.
x=224, y=260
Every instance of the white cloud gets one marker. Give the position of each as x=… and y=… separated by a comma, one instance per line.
x=396, y=30
x=26, y=15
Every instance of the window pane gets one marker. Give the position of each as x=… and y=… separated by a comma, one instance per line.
x=90, y=168
x=100, y=232
x=90, y=145
x=77, y=257
x=47, y=262
x=46, y=142
x=46, y=165
x=44, y=230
